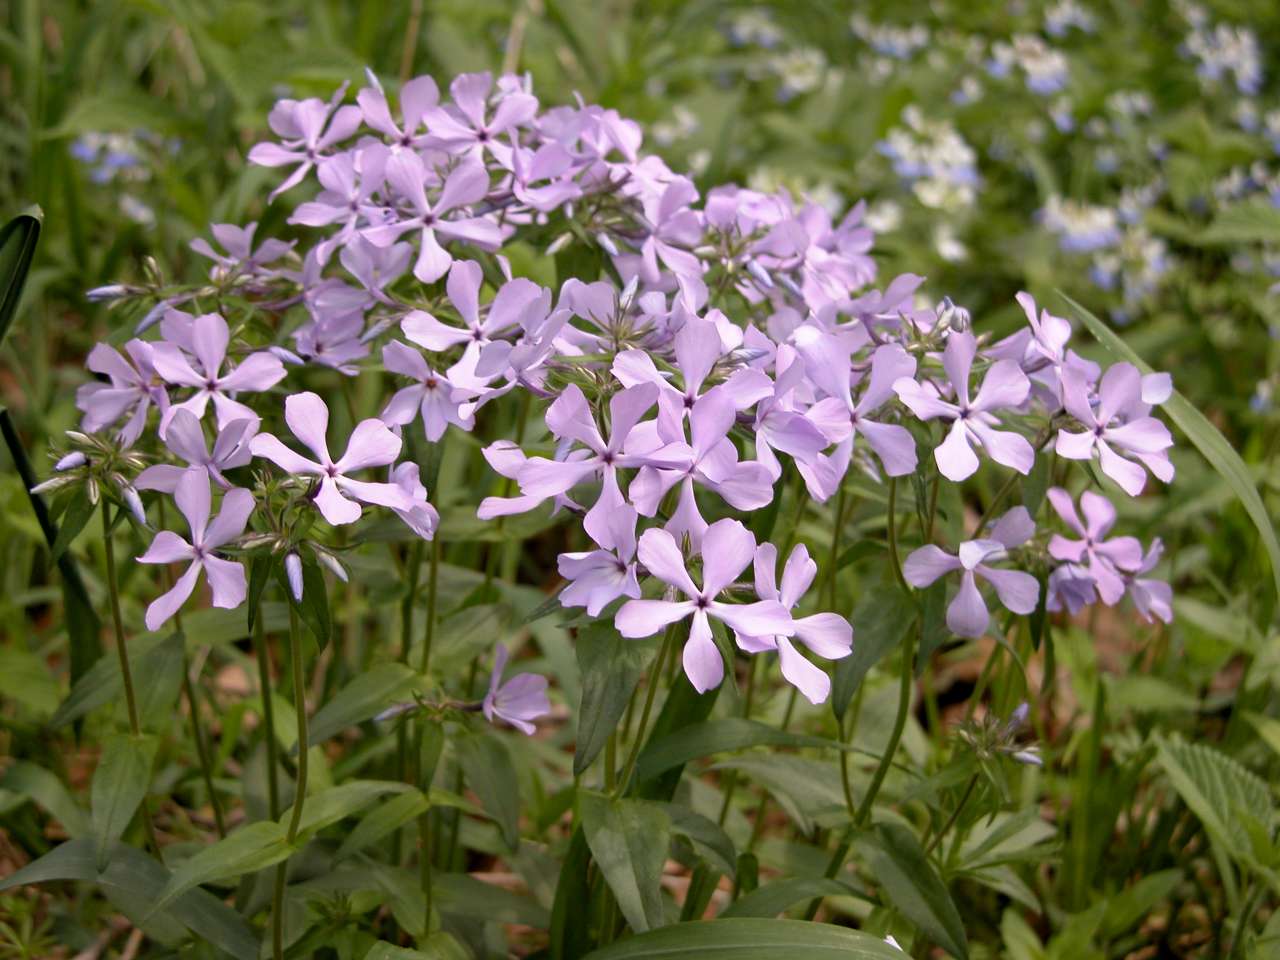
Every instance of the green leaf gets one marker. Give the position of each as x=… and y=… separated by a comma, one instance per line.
x=750, y=938
x=466, y=896
x=629, y=841
x=332, y=804
x=610, y=667
x=898, y=863
x=718, y=736
x=259, y=574
x=438, y=946
x=570, y=926
x=247, y=850
x=157, y=677
x=101, y=683
x=362, y=698
x=18, y=239
x=1219, y=790
x=683, y=707
x=72, y=522
x=132, y=879
x=1256, y=221
x=805, y=789
x=384, y=820
x=47, y=791
x=25, y=679
x=1133, y=904
x=119, y=784
x=880, y=621
x=707, y=837
x=487, y=766
x=1206, y=437
x=781, y=895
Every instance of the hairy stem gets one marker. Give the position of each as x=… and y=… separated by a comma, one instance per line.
x=268, y=715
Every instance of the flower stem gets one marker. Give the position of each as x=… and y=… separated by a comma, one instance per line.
x=424, y=664
x=655, y=674
x=955, y=814
x=892, y=525
x=126, y=675
x=300, y=790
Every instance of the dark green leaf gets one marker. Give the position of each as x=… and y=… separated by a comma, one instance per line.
x=750, y=938
x=119, y=784
x=383, y=820
x=247, y=850
x=684, y=706
x=48, y=792
x=72, y=522
x=629, y=841
x=718, y=736
x=570, y=924
x=898, y=863
x=781, y=895
x=18, y=240
x=439, y=946
x=880, y=621
x=334, y=803
x=361, y=699
x=488, y=769
x=706, y=836
x=610, y=667
x=259, y=574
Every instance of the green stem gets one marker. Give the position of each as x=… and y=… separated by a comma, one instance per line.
x=126, y=675
x=955, y=814
x=731, y=784
x=268, y=716
x=893, y=535
x=655, y=675
x=406, y=631
x=829, y=579
x=300, y=790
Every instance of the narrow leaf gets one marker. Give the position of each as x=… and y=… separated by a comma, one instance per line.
x=610, y=667
x=718, y=736
x=629, y=841
x=487, y=767
x=880, y=621
x=362, y=698
x=750, y=938
x=119, y=785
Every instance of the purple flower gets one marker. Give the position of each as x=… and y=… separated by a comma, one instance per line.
x=432, y=393
x=727, y=549
x=349, y=181
x=1070, y=587
x=132, y=387
x=1153, y=598
x=240, y=255
x=1104, y=559
x=422, y=518
x=226, y=577
x=185, y=437
x=826, y=634
x=418, y=97
x=466, y=126
x=972, y=422
x=306, y=128
x=598, y=577
x=520, y=700
x=781, y=424
x=371, y=445
x=967, y=614
x=1121, y=422
x=467, y=184
x=840, y=416
x=207, y=347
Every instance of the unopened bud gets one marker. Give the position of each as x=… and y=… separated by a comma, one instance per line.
x=112, y=291
x=607, y=244
x=330, y=561
x=559, y=243
x=293, y=573
x=760, y=273
x=71, y=461
x=134, y=503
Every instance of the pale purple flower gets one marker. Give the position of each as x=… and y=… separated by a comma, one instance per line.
x=226, y=577
x=520, y=700
x=972, y=422
x=349, y=180
x=780, y=422
x=1120, y=422
x=1070, y=587
x=967, y=613
x=185, y=437
x=133, y=389
x=417, y=98
x=842, y=417
x=466, y=127
x=306, y=128
x=727, y=549
x=466, y=184
x=1103, y=558
x=507, y=460
x=674, y=230
x=422, y=518
x=240, y=254
x=542, y=179
x=336, y=341
x=198, y=363
x=432, y=393
x=338, y=496
x=1153, y=598
x=598, y=577
x=827, y=634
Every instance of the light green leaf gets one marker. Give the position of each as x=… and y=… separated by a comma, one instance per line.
x=486, y=764
x=362, y=698
x=1135, y=903
x=629, y=841
x=1206, y=437
x=750, y=938
x=880, y=621
x=247, y=850
x=334, y=803
x=708, y=838
x=899, y=865
x=439, y=946
x=119, y=784
x=1256, y=221
x=718, y=736
x=47, y=791
x=382, y=820
x=25, y=679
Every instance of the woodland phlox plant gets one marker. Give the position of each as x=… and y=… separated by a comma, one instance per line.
x=702, y=354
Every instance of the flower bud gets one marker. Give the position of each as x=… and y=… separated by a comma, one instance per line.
x=760, y=273
x=112, y=291
x=71, y=461
x=559, y=243
x=134, y=503
x=607, y=244
x=293, y=572
x=330, y=561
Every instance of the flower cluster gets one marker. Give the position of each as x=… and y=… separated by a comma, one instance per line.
x=708, y=353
